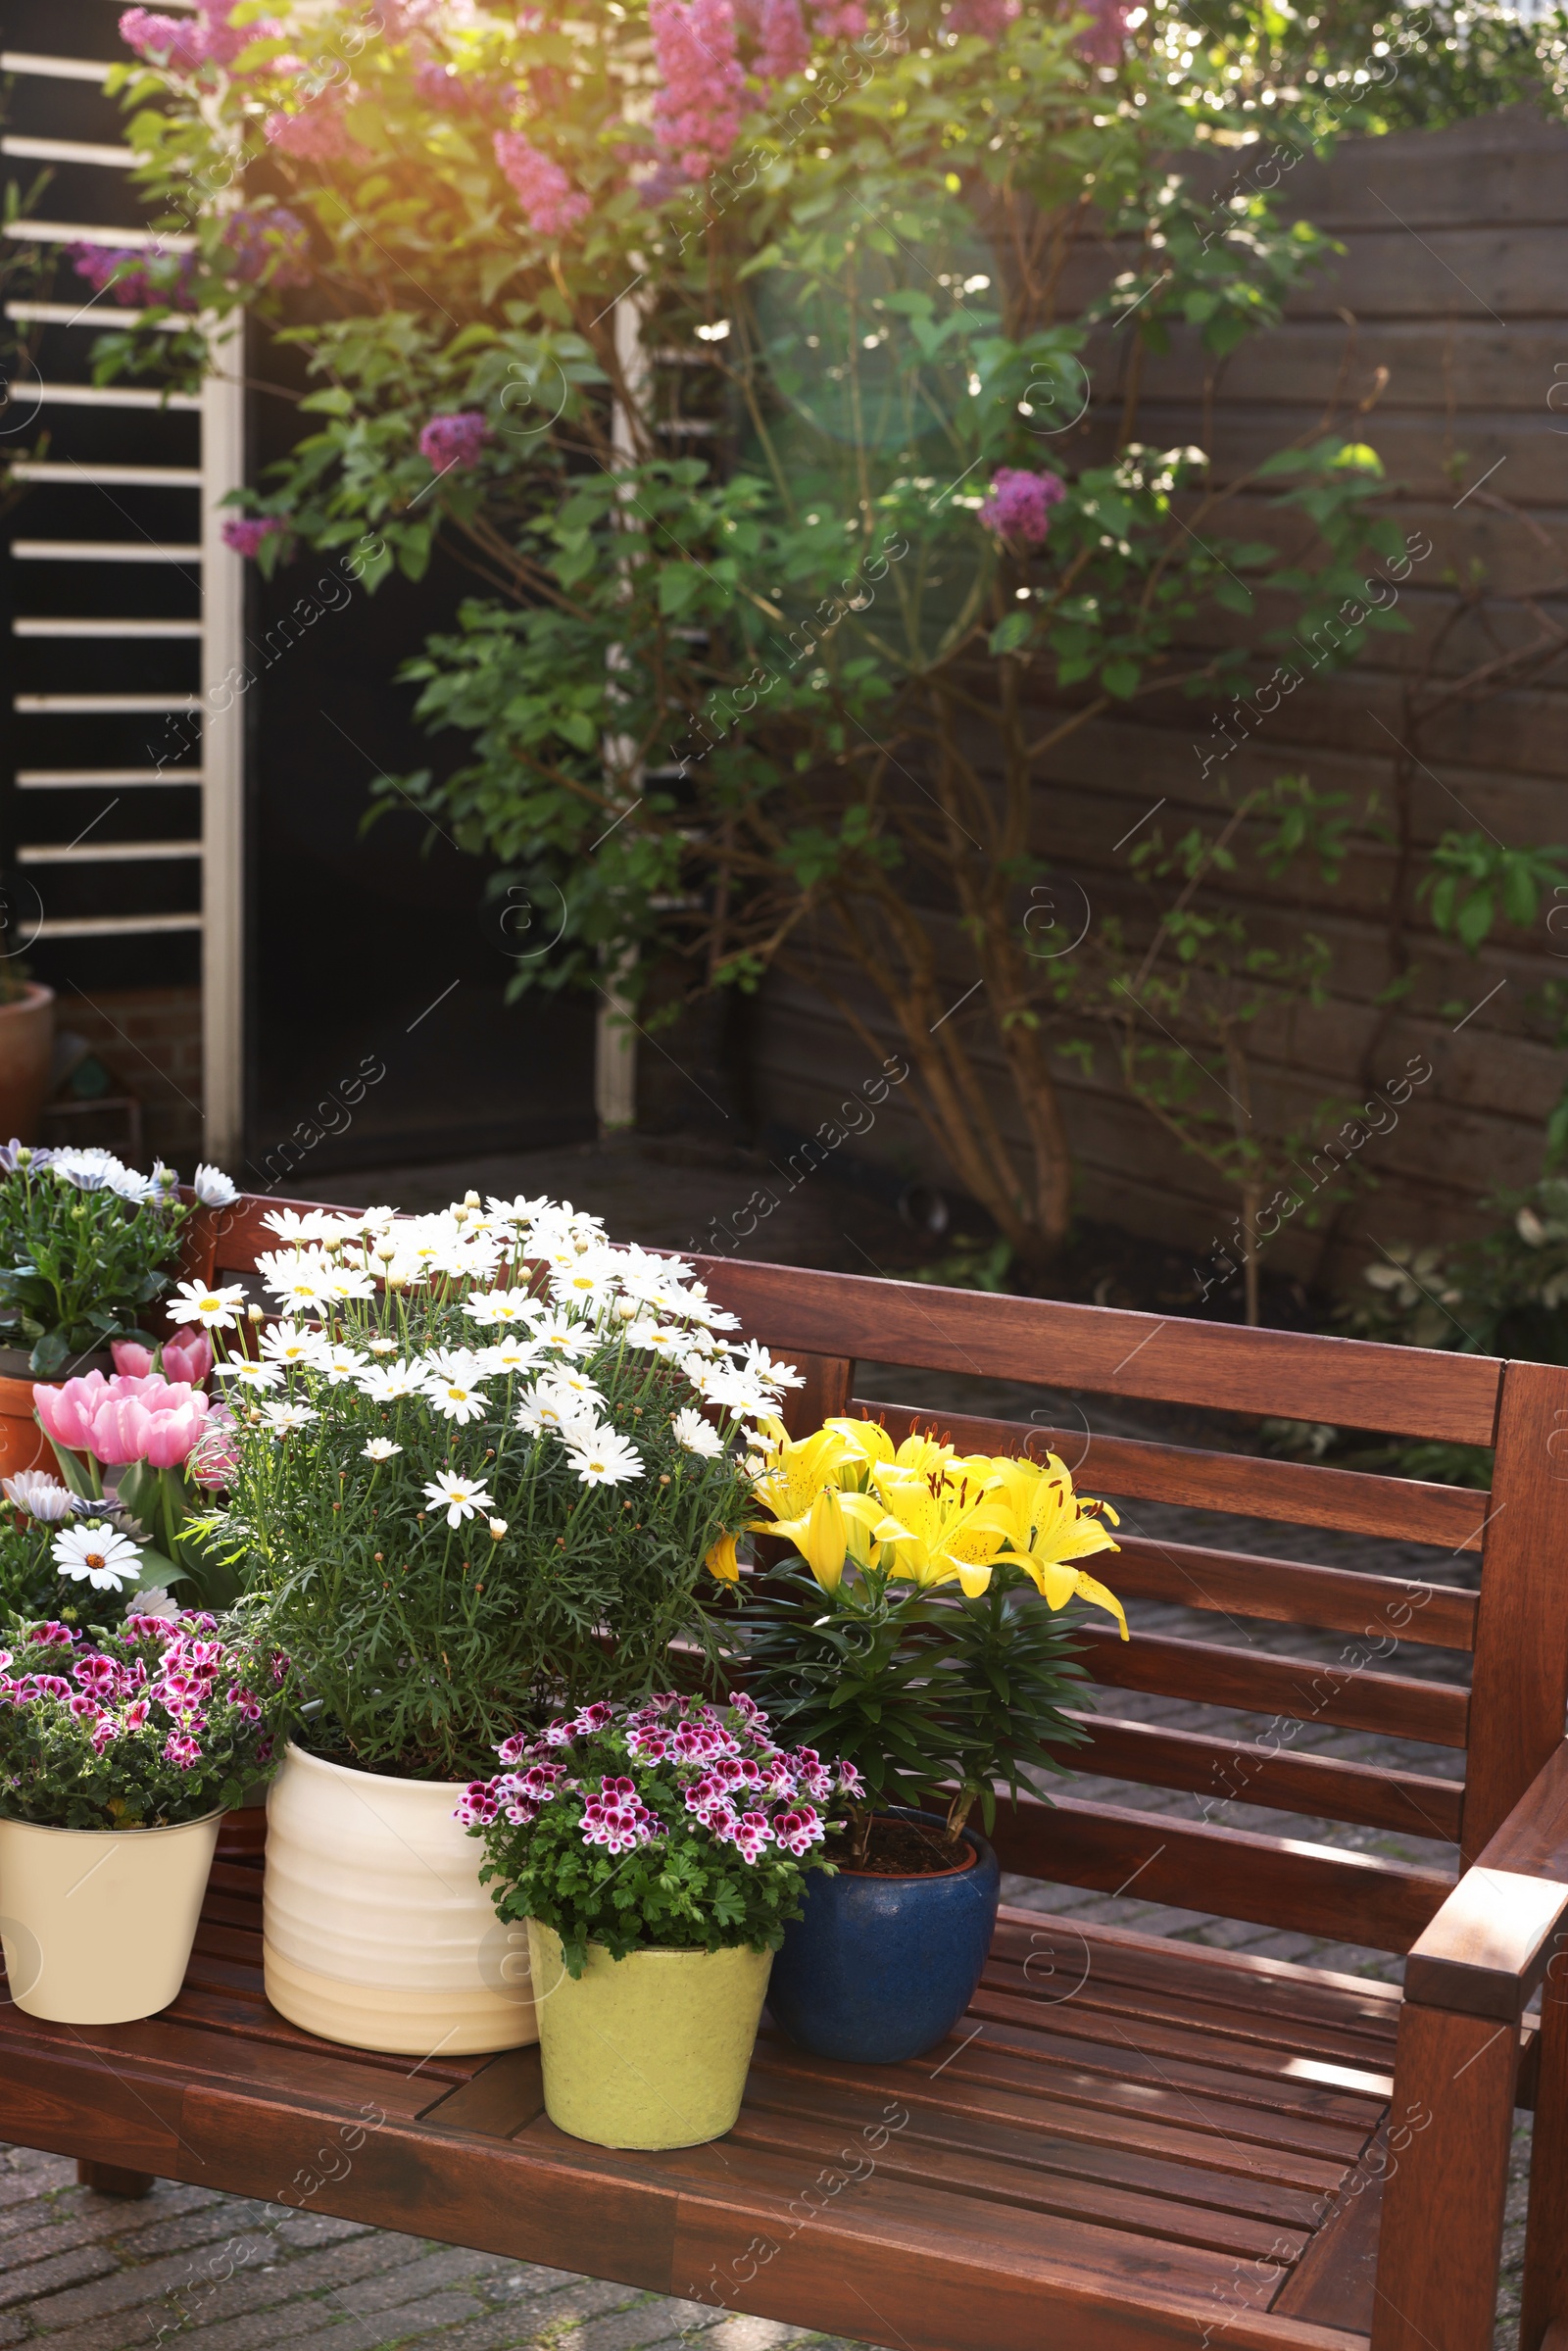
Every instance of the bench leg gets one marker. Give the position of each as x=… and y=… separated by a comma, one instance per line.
x=110, y=2180
x=1543, y=2301
x=1450, y=2127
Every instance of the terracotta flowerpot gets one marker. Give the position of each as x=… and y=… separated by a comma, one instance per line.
x=26, y=1048
x=23, y=1444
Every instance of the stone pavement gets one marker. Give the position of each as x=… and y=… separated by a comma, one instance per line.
x=104, y=2275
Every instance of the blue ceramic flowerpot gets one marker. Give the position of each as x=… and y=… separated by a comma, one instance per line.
x=879, y=1969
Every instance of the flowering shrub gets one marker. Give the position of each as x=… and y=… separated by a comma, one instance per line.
x=821, y=622
x=672, y=1826
x=167, y=1720
x=85, y=1242
x=487, y=1465
x=851, y=1650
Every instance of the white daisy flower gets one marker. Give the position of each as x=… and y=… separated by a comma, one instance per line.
x=297, y=1278
x=40, y=1496
x=340, y=1363
x=284, y=1418
x=762, y=1365
x=214, y=1309
x=696, y=1435
x=545, y=1412
x=736, y=1391
x=603, y=1457
x=507, y=1358
x=248, y=1374
x=520, y=1210
x=384, y=1346
x=347, y=1281
x=296, y=1349
x=454, y=1399
x=213, y=1187
x=96, y=1554
x=380, y=1448
x=565, y=1382
x=289, y=1225
x=460, y=1498
x=507, y=1307
x=659, y=1339
x=498, y=1528
x=392, y=1382
x=560, y=1336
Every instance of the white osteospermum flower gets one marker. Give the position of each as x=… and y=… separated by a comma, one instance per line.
x=40, y=1496
x=380, y=1448
x=603, y=1457
x=392, y=1382
x=214, y=1309
x=460, y=1498
x=696, y=1435
x=97, y=1554
x=456, y=1399
x=296, y=1349
x=283, y=1419
x=213, y=1187
x=247, y=1373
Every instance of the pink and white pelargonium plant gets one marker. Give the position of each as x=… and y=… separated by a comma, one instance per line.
x=168, y=1720
x=670, y=1825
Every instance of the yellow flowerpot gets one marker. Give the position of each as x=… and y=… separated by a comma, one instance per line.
x=648, y=2051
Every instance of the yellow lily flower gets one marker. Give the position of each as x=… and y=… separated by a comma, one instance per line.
x=832, y=1531
x=798, y=1471
x=721, y=1562
x=935, y=1535
x=1040, y=1527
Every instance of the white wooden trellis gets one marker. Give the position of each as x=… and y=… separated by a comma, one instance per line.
x=218, y=843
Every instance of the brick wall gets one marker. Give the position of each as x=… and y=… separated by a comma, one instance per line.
x=150, y=1040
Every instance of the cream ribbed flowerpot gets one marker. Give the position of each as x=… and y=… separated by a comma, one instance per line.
x=375, y=1930
x=98, y=1923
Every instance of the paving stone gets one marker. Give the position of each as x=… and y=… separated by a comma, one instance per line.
x=32, y=2279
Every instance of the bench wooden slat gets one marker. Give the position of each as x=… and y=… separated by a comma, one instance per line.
x=1288, y=1591
x=819, y=2143
x=1257, y=1681
x=1303, y=1494
x=1302, y=1889
x=1321, y=1787
x=1407, y=1391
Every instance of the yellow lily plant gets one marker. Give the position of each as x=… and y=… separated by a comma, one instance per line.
x=1041, y=1526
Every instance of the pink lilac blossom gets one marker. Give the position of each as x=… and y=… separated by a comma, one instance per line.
x=248, y=535
x=989, y=19
x=186, y=43
x=839, y=20
x=273, y=243
x=455, y=441
x=550, y=205
x=1101, y=43
x=698, y=112
x=137, y=278
x=317, y=134
x=784, y=45
x=1018, y=508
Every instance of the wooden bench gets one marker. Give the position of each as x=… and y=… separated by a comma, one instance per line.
x=1131, y=2140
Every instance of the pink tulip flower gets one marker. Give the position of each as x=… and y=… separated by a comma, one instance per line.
x=119, y=1432
x=187, y=1356
x=170, y=1436
x=131, y=1357
x=67, y=1411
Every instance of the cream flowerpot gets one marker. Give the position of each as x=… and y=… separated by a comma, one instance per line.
x=98, y=1923
x=651, y=2050
x=375, y=1930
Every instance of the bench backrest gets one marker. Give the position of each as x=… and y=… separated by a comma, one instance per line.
x=1507, y=1722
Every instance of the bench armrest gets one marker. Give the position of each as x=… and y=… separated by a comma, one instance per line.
x=1488, y=1947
